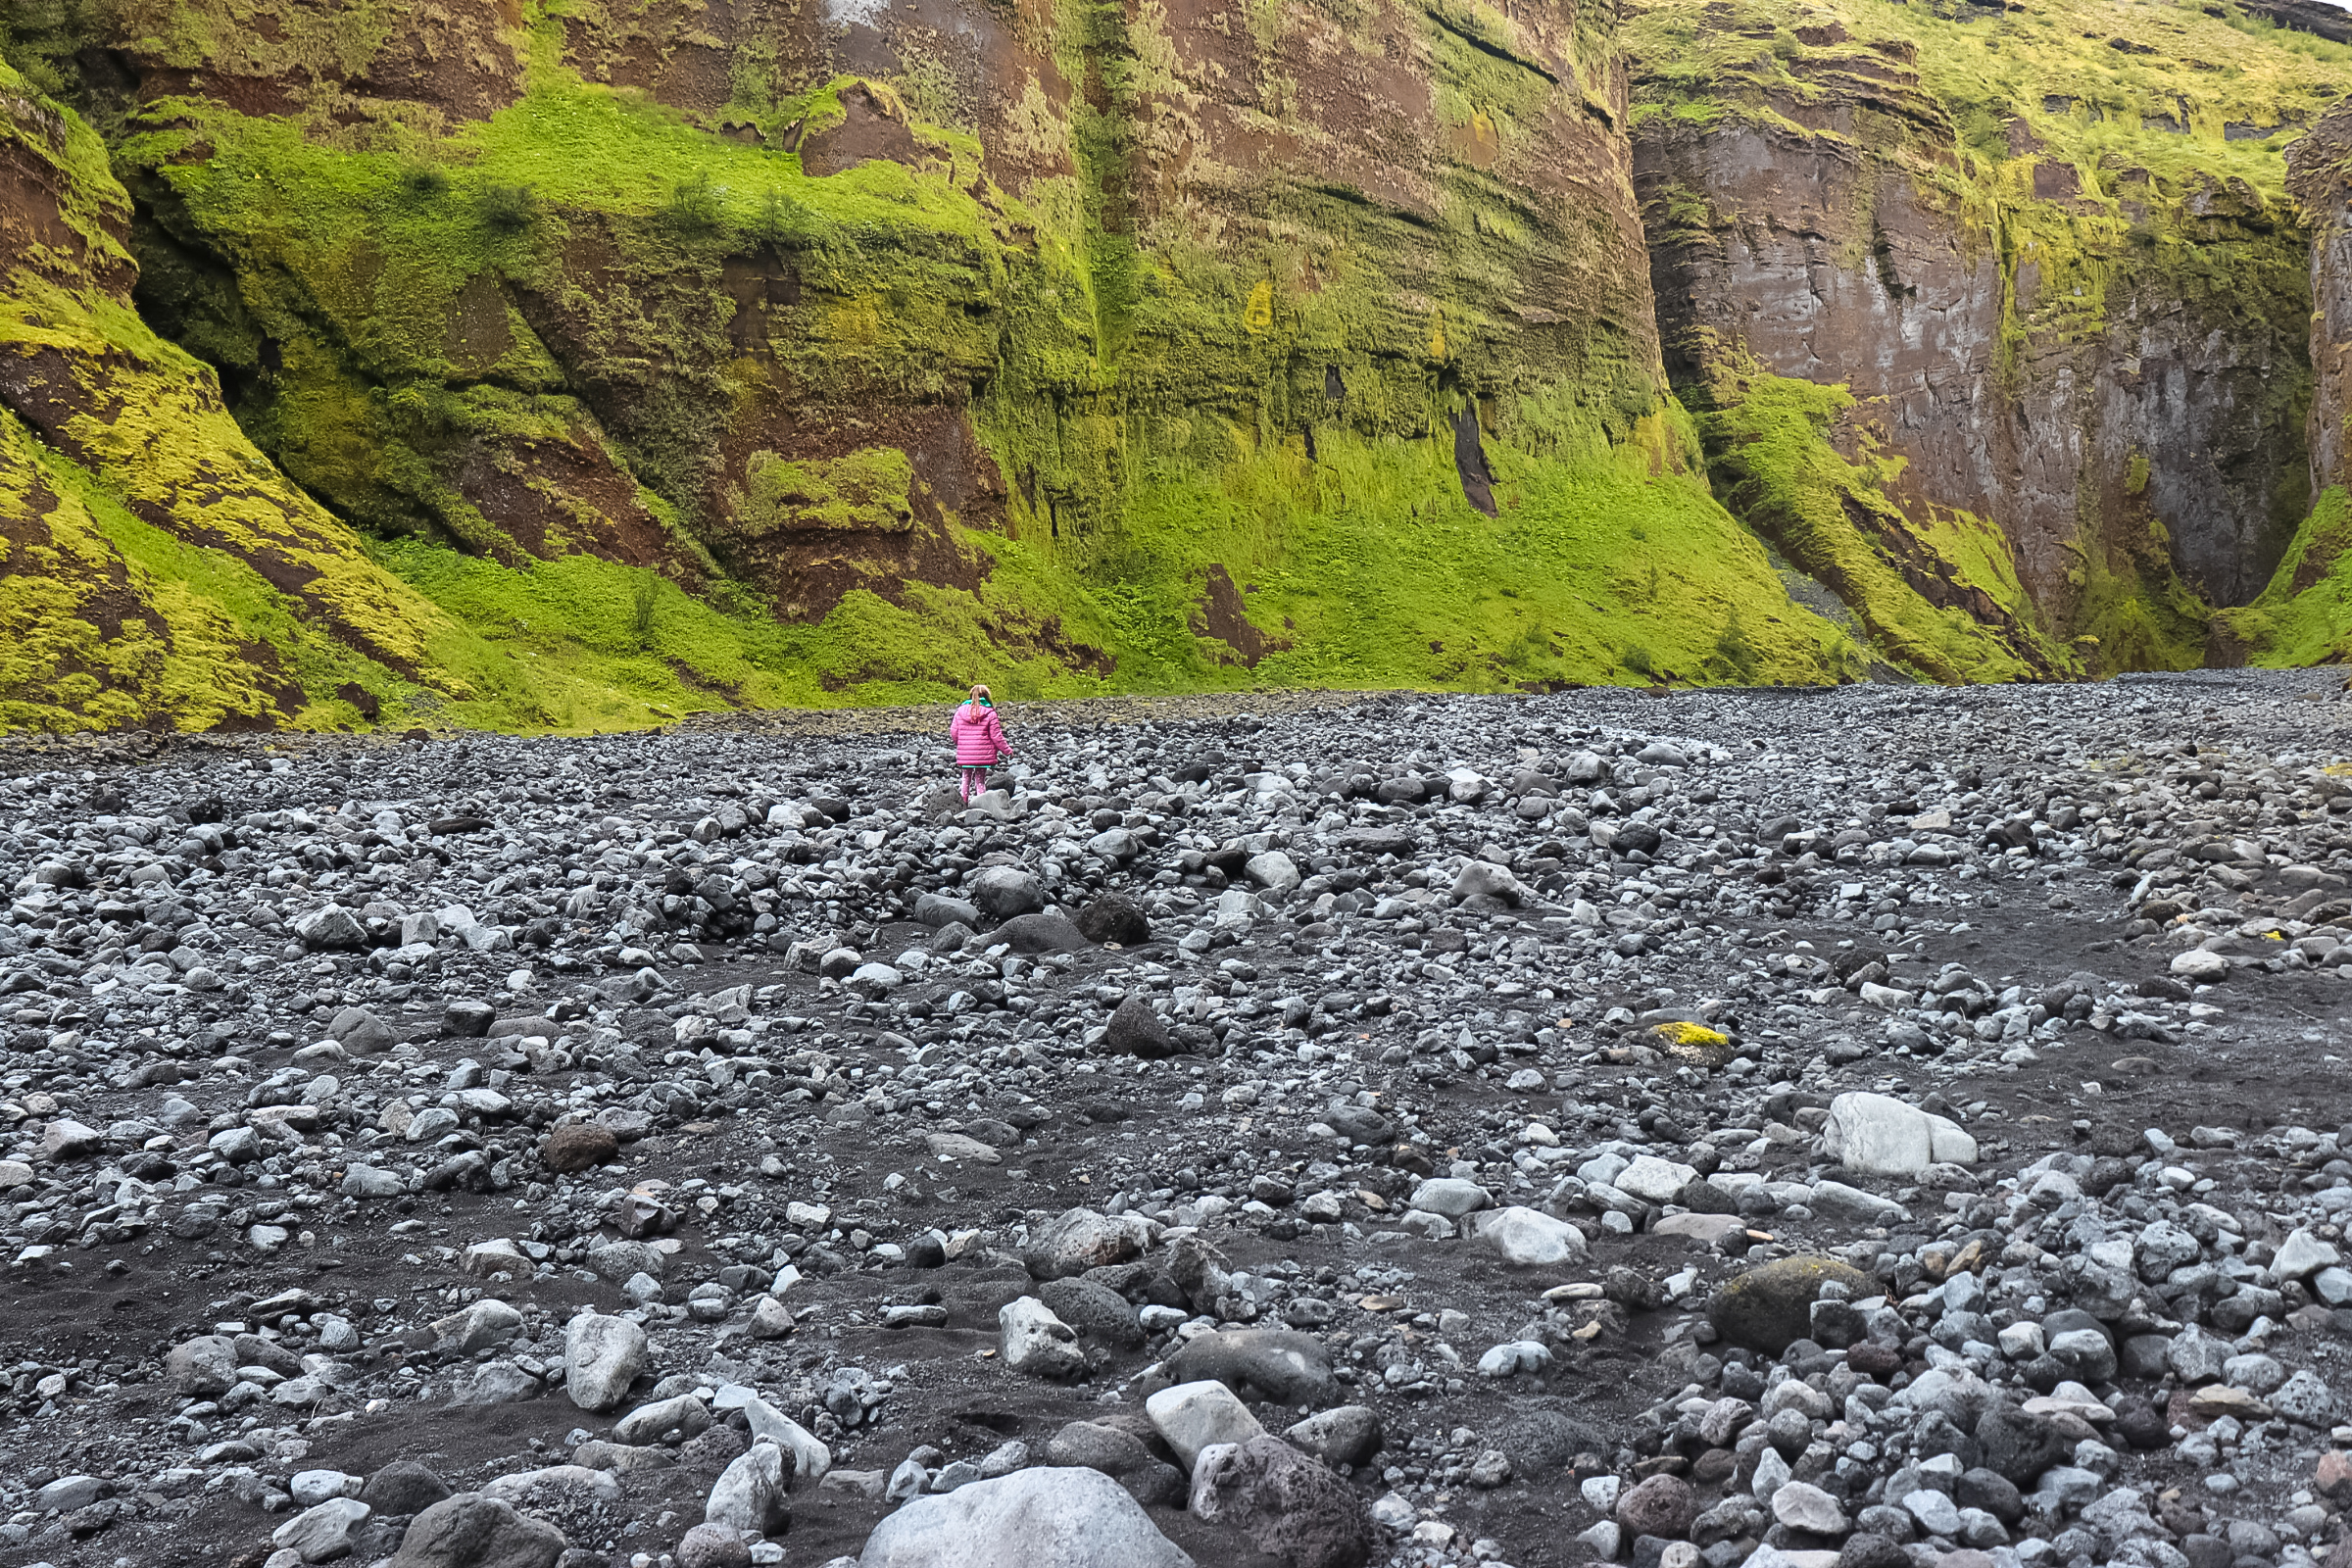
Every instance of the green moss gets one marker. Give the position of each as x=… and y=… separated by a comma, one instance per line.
x=1363, y=567
x=865, y=490
x=403, y=305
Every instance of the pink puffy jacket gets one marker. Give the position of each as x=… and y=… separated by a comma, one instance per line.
x=979, y=736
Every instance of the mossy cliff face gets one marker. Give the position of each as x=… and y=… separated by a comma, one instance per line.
x=1073, y=347
x=2304, y=614
x=2046, y=253
x=157, y=570
x=585, y=363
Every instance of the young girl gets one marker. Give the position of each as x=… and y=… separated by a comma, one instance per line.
x=979, y=737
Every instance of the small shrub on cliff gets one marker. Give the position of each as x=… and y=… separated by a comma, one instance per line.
x=1735, y=649
x=509, y=209
x=693, y=207
x=422, y=182
x=783, y=223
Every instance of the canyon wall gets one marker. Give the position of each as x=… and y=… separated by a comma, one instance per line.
x=642, y=359
x=2047, y=252
x=2304, y=614
x=1118, y=346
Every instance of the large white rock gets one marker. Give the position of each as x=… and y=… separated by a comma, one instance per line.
x=1272, y=870
x=1486, y=878
x=751, y=1493
x=1655, y=1180
x=2303, y=1254
x=1039, y=1344
x=1803, y=1506
x=1880, y=1135
x=810, y=1459
x=487, y=1322
x=1193, y=1415
x=2200, y=966
x=322, y=1533
x=1527, y=1237
x=1047, y=1517
x=601, y=1356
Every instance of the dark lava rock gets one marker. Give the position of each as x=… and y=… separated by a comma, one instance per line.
x=2021, y=1447
x=404, y=1487
x=1045, y=932
x=1114, y=917
x=1096, y=1311
x=1135, y=1030
x=467, y=1020
x=1661, y=1506
x=1867, y=1551
x=1288, y=1506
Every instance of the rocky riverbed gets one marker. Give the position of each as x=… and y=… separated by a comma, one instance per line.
x=1809, y=1128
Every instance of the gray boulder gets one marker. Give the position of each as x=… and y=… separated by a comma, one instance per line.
x=1003, y=891
x=1349, y=1435
x=472, y=1530
x=322, y=1533
x=202, y=1367
x=1121, y=1456
x=1283, y=1366
x=1289, y=1507
x=1136, y=1030
x=360, y=1032
x=1880, y=1135
x=935, y=910
x=1115, y=917
x=332, y=927
x=754, y=1492
x=1047, y=931
x=1094, y=1310
x=1039, y=1345
x=1080, y=1238
x=403, y=1488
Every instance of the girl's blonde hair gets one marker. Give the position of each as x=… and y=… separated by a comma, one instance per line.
x=981, y=692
